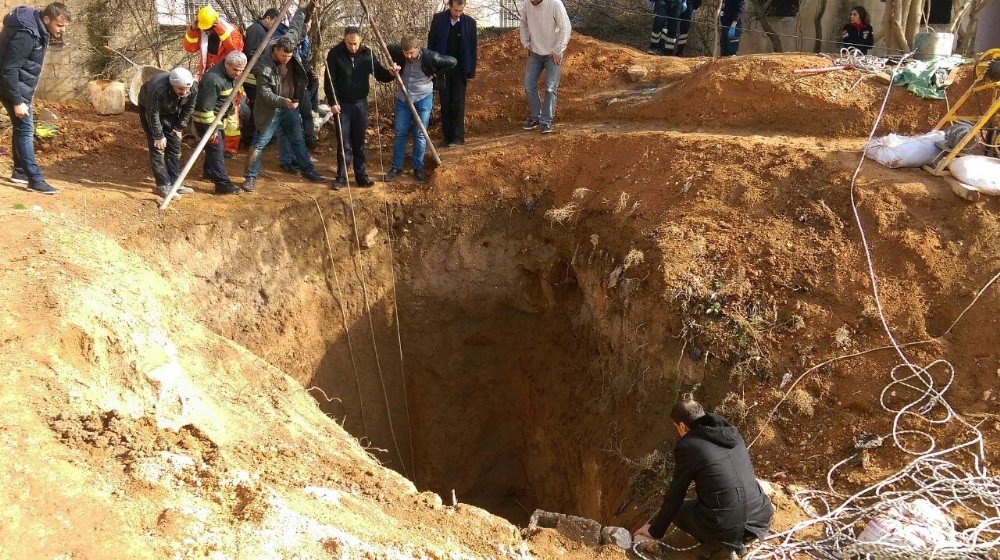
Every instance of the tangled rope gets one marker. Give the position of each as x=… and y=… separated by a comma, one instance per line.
x=935, y=475
x=851, y=56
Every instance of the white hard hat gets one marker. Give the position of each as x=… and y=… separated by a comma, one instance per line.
x=181, y=77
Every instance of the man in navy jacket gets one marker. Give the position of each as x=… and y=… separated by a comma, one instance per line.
x=23, y=43
x=453, y=33
x=730, y=508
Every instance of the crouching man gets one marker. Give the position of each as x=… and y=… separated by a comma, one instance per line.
x=166, y=103
x=419, y=66
x=730, y=509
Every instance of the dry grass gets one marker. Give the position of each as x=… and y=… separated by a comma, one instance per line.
x=580, y=193
x=622, y=204
x=801, y=402
x=842, y=337
x=563, y=215
x=634, y=258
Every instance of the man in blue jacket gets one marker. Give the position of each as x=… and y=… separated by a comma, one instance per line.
x=453, y=33
x=23, y=43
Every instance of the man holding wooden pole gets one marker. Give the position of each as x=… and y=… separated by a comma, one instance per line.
x=419, y=67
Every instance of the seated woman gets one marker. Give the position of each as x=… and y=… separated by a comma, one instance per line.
x=858, y=31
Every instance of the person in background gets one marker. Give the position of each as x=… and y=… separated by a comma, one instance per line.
x=286, y=155
x=255, y=36
x=454, y=34
x=214, y=38
x=349, y=66
x=731, y=26
x=419, y=66
x=729, y=509
x=166, y=103
x=666, y=23
x=23, y=44
x=545, y=32
x=216, y=86
x=858, y=32
x=687, y=16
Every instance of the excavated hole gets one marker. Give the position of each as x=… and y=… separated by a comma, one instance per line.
x=516, y=352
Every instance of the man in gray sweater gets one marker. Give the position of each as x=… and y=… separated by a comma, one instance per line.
x=545, y=30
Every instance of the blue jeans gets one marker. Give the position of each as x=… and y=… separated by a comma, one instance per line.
x=290, y=122
x=539, y=111
x=406, y=126
x=286, y=154
x=23, y=143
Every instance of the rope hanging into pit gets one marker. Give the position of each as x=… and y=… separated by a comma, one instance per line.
x=942, y=483
x=399, y=340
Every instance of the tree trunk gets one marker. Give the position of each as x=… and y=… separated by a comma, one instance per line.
x=913, y=17
x=717, y=48
x=763, y=7
x=820, y=11
x=967, y=36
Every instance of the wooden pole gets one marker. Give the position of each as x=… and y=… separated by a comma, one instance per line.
x=399, y=83
x=225, y=106
x=340, y=129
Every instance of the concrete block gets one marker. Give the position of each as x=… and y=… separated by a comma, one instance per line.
x=618, y=536
x=579, y=529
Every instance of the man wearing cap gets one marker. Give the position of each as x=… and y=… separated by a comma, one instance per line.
x=166, y=103
x=214, y=38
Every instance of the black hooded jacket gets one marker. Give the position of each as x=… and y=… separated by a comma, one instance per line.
x=714, y=456
x=23, y=43
x=349, y=73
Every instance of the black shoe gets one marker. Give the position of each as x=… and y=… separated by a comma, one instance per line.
x=41, y=186
x=231, y=189
x=546, y=129
x=458, y=142
x=19, y=176
x=292, y=168
x=444, y=145
x=530, y=125
x=314, y=177
x=228, y=155
x=338, y=183
x=365, y=181
x=658, y=51
x=420, y=174
x=393, y=173
x=249, y=184
x=184, y=189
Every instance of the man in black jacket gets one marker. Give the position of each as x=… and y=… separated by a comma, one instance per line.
x=166, y=103
x=453, y=33
x=418, y=67
x=348, y=67
x=730, y=508
x=23, y=43
x=281, y=83
x=254, y=37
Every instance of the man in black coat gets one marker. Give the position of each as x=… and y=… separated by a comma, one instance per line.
x=349, y=64
x=166, y=103
x=251, y=41
x=23, y=44
x=453, y=33
x=730, y=508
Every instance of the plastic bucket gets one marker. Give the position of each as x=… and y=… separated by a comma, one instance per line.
x=929, y=45
x=107, y=97
x=142, y=75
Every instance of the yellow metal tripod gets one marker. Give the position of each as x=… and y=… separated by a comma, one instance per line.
x=985, y=79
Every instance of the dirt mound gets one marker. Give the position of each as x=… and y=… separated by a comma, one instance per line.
x=758, y=93
x=591, y=71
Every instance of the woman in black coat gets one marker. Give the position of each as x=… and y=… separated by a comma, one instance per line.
x=858, y=31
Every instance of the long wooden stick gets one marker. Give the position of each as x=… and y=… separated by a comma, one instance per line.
x=399, y=83
x=340, y=128
x=225, y=106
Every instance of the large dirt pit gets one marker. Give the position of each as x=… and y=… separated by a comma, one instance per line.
x=512, y=334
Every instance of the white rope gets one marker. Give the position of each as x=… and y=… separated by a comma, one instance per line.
x=930, y=476
x=851, y=56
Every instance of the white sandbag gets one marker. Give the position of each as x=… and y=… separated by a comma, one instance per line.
x=918, y=525
x=980, y=172
x=894, y=150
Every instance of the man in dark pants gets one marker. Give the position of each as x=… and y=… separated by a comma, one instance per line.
x=731, y=26
x=666, y=22
x=216, y=86
x=453, y=33
x=687, y=16
x=349, y=65
x=730, y=508
x=23, y=43
x=166, y=103
x=254, y=37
